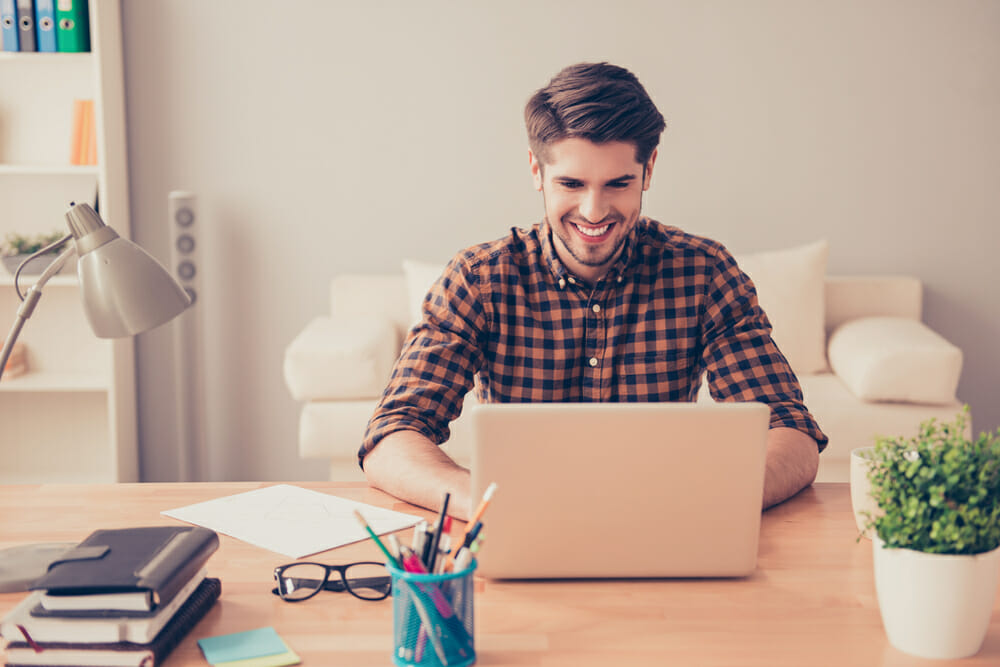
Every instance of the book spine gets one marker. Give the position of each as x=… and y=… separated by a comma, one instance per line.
x=88, y=116
x=76, y=138
x=91, y=156
x=180, y=625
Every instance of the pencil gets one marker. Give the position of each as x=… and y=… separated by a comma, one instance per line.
x=378, y=542
x=478, y=514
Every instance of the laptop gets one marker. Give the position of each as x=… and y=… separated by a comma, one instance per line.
x=612, y=490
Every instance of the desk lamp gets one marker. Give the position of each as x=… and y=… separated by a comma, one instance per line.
x=125, y=291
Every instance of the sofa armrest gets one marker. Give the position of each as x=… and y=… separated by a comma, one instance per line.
x=333, y=360
x=895, y=359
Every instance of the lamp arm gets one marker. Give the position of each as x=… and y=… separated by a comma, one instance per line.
x=30, y=300
x=59, y=261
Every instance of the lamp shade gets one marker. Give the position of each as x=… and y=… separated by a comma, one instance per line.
x=125, y=291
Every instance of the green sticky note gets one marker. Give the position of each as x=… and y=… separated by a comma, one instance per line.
x=242, y=645
x=277, y=660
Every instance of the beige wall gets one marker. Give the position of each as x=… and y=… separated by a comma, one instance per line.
x=324, y=137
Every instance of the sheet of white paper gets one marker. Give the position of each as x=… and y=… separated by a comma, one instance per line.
x=290, y=520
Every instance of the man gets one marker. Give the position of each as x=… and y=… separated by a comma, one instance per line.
x=595, y=303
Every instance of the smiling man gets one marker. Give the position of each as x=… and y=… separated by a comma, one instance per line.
x=595, y=303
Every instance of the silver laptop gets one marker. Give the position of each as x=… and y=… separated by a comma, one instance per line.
x=587, y=490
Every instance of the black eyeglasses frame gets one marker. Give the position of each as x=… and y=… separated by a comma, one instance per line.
x=335, y=585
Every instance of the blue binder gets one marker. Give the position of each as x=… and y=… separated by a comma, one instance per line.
x=8, y=19
x=45, y=25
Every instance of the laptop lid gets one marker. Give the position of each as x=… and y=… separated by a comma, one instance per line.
x=620, y=489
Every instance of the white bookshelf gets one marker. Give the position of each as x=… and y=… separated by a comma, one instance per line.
x=72, y=417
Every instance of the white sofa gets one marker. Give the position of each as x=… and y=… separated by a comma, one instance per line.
x=890, y=371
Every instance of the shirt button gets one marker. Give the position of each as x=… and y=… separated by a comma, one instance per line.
x=597, y=308
x=593, y=361
x=619, y=278
x=572, y=280
x=562, y=282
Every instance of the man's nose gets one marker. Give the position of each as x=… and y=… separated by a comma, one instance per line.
x=593, y=207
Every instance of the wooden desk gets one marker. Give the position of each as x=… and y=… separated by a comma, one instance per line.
x=810, y=602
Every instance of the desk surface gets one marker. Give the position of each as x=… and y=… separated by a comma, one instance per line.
x=811, y=600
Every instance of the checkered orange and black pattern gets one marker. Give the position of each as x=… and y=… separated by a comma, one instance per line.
x=673, y=306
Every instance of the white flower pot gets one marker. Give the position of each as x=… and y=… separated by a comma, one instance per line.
x=935, y=605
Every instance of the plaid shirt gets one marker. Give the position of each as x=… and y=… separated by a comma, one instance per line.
x=508, y=317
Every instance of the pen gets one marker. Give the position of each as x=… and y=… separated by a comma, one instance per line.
x=471, y=536
x=378, y=542
x=439, y=528
x=478, y=514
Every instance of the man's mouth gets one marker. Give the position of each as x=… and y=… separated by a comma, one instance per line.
x=594, y=233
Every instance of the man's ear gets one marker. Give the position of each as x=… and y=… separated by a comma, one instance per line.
x=648, y=170
x=536, y=170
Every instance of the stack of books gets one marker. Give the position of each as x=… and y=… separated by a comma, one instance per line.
x=121, y=597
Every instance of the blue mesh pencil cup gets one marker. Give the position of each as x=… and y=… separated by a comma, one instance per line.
x=432, y=618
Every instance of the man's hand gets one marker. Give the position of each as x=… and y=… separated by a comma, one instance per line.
x=409, y=466
x=792, y=462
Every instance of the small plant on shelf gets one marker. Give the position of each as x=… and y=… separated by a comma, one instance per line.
x=17, y=247
x=26, y=244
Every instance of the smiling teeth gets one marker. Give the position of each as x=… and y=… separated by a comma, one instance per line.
x=593, y=231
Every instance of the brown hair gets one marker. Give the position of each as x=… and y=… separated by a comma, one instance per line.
x=599, y=102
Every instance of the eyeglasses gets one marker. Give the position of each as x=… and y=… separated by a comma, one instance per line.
x=301, y=581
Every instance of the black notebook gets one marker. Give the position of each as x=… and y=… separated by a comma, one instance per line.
x=127, y=654
x=133, y=570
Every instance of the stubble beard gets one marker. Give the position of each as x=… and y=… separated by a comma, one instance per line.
x=585, y=258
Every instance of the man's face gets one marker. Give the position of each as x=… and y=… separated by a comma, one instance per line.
x=593, y=196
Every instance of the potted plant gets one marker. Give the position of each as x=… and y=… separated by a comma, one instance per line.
x=937, y=537
x=17, y=247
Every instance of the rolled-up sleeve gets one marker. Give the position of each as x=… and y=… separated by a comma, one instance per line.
x=437, y=365
x=741, y=359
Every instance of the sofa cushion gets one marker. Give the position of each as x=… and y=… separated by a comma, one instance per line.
x=790, y=289
x=895, y=359
x=419, y=278
x=850, y=422
x=336, y=360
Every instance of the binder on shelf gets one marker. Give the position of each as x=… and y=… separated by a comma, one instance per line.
x=146, y=566
x=72, y=26
x=8, y=21
x=45, y=25
x=26, y=25
x=69, y=652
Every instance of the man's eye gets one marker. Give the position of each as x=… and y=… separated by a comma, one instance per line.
x=571, y=185
x=619, y=185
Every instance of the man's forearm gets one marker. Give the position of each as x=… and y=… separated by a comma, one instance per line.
x=409, y=466
x=792, y=462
